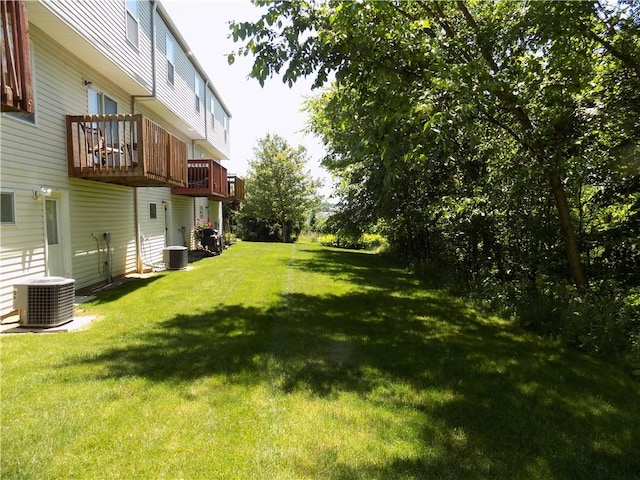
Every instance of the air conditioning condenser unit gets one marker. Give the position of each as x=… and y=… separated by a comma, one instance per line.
x=175, y=258
x=45, y=302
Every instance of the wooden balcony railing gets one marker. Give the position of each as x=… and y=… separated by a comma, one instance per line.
x=206, y=178
x=16, y=86
x=236, y=189
x=126, y=150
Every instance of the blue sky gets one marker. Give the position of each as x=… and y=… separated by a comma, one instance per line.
x=255, y=110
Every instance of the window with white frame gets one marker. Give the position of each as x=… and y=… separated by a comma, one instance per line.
x=197, y=89
x=100, y=104
x=7, y=208
x=218, y=112
x=225, y=125
x=133, y=22
x=212, y=107
x=170, y=60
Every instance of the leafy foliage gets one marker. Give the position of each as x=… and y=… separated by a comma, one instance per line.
x=280, y=193
x=368, y=241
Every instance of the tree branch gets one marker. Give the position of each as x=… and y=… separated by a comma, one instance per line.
x=627, y=60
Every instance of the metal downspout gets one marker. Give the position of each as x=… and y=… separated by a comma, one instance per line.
x=136, y=219
x=206, y=130
x=154, y=73
x=154, y=8
x=136, y=207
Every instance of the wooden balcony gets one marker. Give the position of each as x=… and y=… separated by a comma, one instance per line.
x=16, y=86
x=206, y=178
x=236, y=189
x=125, y=150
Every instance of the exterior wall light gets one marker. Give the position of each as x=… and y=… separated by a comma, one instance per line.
x=42, y=191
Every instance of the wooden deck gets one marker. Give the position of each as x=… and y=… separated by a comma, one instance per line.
x=236, y=189
x=126, y=150
x=16, y=84
x=205, y=178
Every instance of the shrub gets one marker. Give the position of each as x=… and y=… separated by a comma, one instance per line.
x=229, y=238
x=328, y=240
x=604, y=320
x=368, y=241
x=374, y=241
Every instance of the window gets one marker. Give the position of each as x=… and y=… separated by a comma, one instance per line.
x=170, y=60
x=153, y=211
x=197, y=89
x=225, y=125
x=51, y=212
x=100, y=104
x=217, y=111
x=219, y=116
x=212, y=106
x=7, y=208
x=132, y=22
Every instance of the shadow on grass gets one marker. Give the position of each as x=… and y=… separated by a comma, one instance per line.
x=111, y=293
x=356, y=266
x=508, y=405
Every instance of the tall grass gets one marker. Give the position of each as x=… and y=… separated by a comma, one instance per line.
x=278, y=361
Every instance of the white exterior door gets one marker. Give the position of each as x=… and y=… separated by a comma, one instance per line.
x=55, y=252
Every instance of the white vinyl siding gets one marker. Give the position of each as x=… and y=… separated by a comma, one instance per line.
x=104, y=25
x=152, y=230
x=25, y=168
x=182, y=215
x=215, y=214
x=22, y=252
x=218, y=125
x=97, y=208
x=179, y=96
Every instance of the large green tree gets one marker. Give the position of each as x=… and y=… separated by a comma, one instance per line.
x=280, y=192
x=418, y=85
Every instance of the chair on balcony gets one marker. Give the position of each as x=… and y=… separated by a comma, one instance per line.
x=204, y=183
x=101, y=152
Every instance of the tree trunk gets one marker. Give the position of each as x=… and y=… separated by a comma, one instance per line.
x=568, y=233
x=512, y=104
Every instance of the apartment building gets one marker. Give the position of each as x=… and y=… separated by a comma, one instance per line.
x=112, y=141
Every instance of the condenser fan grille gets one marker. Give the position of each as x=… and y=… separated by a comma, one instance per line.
x=50, y=304
x=45, y=302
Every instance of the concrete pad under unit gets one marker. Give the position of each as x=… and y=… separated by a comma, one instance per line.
x=10, y=325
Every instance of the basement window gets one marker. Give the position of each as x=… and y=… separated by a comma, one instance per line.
x=7, y=208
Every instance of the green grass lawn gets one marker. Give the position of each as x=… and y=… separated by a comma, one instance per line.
x=279, y=361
